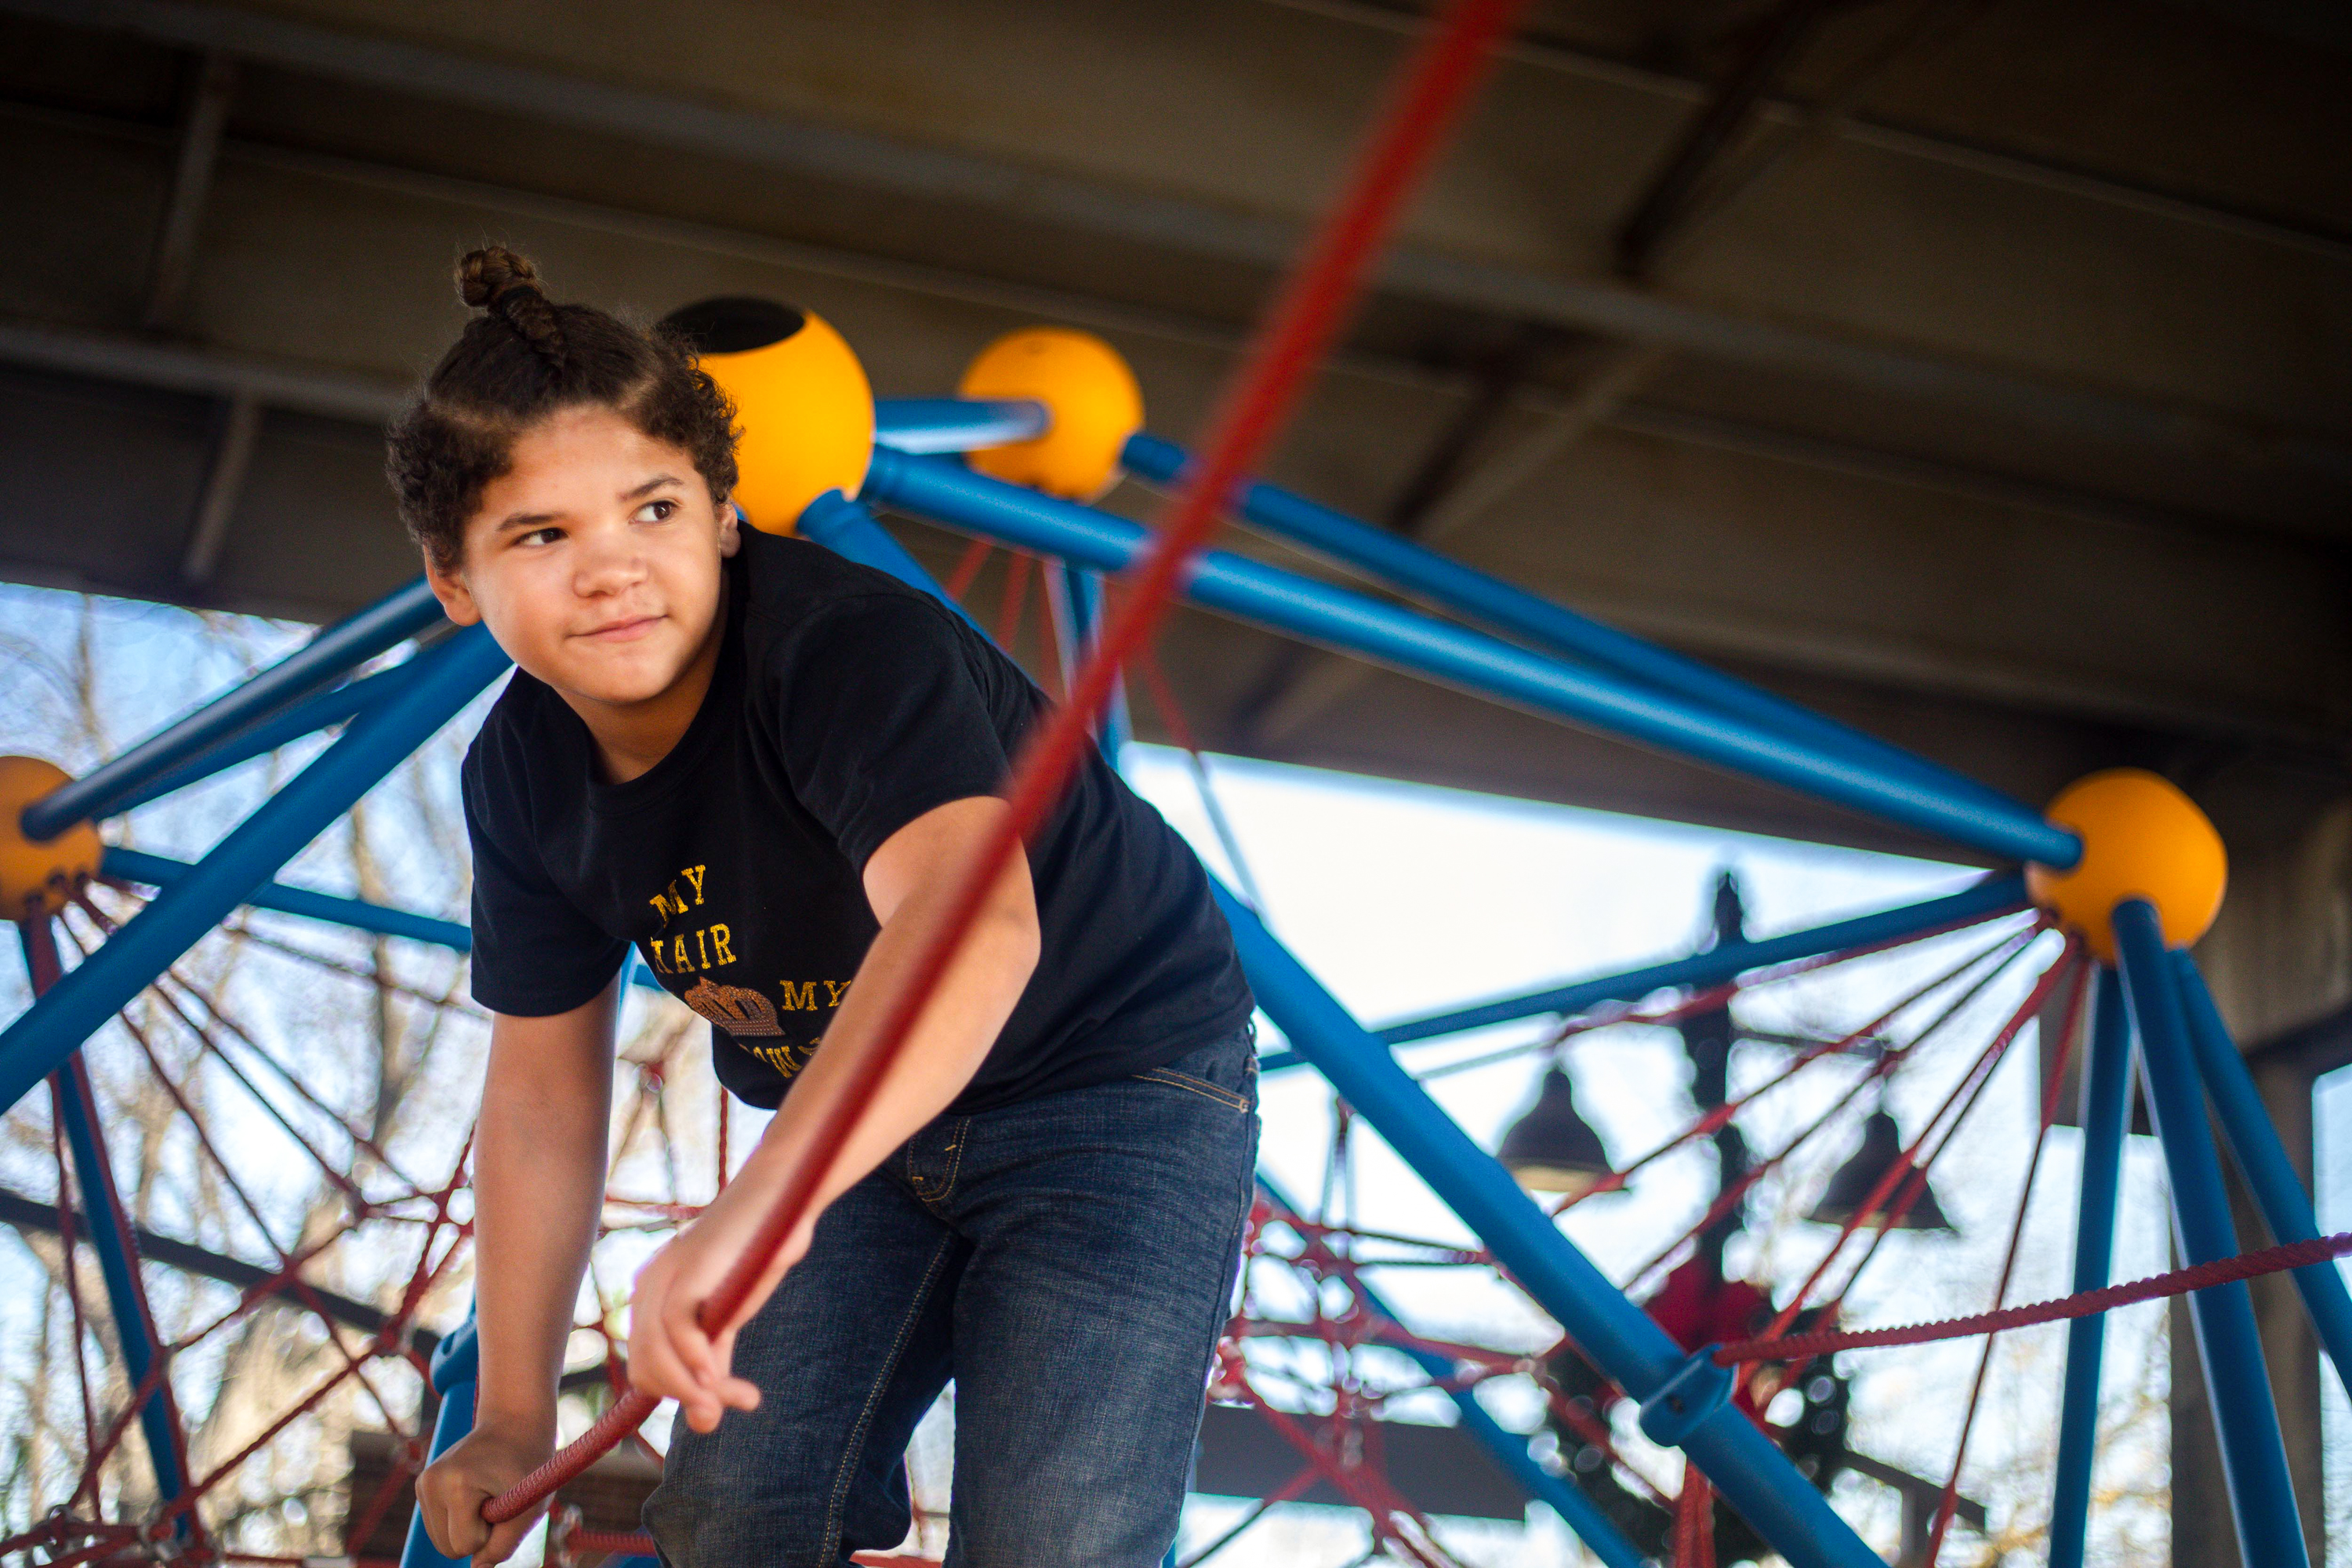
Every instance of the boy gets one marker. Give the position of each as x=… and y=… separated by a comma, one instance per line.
x=763, y=765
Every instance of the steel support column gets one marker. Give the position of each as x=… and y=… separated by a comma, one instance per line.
x=2106, y=1119
x=2253, y=1454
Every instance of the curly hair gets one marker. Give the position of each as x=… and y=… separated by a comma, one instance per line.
x=526, y=358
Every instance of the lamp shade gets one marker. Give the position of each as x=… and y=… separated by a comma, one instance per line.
x=1859, y=1178
x=1552, y=1149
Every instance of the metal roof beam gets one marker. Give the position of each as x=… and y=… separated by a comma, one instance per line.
x=1180, y=226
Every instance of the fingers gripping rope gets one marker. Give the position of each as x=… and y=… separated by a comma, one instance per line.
x=1298, y=331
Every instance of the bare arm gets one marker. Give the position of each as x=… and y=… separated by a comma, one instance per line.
x=539, y=1186
x=909, y=881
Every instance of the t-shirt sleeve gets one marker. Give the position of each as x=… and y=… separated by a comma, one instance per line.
x=534, y=953
x=883, y=718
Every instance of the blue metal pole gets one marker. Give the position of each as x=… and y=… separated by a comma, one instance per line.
x=1421, y=644
x=160, y=871
x=848, y=528
x=2261, y=1160
x=1731, y=1449
x=455, y=1369
x=2253, y=1455
x=2106, y=1118
x=1440, y=580
x=333, y=652
x=1509, y=1450
x=931, y=425
x=38, y=1041
x=118, y=1264
x=1981, y=900
x=1075, y=595
x=1734, y=1453
x=322, y=710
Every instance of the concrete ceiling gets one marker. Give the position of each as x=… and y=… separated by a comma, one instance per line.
x=1975, y=370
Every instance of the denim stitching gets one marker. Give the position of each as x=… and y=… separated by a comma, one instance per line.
x=1175, y=1079
x=963, y=1135
x=853, y=1449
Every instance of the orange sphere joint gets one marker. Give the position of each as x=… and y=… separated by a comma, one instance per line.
x=803, y=407
x=2142, y=838
x=1090, y=393
x=38, y=876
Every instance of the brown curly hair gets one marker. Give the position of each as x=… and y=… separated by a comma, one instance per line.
x=522, y=360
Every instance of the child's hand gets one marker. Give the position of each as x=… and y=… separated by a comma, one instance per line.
x=671, y=1356
x=453, y=1488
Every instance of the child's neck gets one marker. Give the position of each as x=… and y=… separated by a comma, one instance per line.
x=631, y=738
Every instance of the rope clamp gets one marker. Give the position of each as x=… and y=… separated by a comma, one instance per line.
x=1691, y=1393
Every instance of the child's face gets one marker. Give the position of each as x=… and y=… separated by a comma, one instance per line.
x=594, y=559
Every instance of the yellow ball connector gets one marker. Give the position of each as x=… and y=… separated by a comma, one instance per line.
x=2143, y=838
x=38, y=876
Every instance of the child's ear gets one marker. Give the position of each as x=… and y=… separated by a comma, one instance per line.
x=448, y=584
x=731, y=528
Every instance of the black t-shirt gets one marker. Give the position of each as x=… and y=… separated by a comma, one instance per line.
x=843, y=706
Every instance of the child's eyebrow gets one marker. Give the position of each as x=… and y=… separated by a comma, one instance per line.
x=651, y=485
x=525, y=520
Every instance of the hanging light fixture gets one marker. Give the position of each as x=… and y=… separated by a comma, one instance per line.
x=1859, y=1178
x=1552, y=1149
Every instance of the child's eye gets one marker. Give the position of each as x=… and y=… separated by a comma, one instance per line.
x=656, y=511
x=540, y=538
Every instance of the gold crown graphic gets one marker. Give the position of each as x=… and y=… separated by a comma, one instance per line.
x=734, y=1008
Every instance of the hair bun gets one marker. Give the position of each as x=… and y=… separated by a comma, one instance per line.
x=486, y=274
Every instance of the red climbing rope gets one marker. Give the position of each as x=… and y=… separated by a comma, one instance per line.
x=2155, y=1288
x=1296, y=334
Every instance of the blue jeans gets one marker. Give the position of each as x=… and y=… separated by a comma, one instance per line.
x=1068, y=1261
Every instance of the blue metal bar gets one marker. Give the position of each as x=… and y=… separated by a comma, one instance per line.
x=931, y=424
x=333, y=652
x=1984, y=901
x=1440, y=580
x=1509, y=1450
x=1730, y=1448
x=1075, y=595
x=848, y=528
x=1421, y=645
x=162, y=871
x=322, y=710
x=118, y=1264
x=455, y=1369
x=38, y=1041
x=2261, y=1160
x=2106, y=1118
x=2253, y=1455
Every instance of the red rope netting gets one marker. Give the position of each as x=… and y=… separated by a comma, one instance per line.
x=334, y=1149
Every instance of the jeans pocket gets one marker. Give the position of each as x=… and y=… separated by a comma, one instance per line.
x=1224, y=1070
